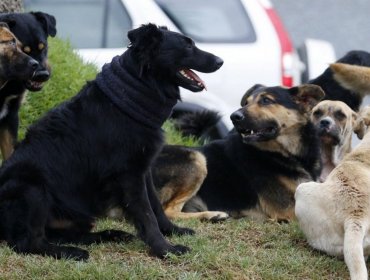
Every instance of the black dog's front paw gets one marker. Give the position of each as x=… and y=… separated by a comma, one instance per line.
x=170, y=249
x=116, y=236
x=178, y=231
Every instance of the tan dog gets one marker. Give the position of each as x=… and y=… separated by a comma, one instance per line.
x=335, y=215
x=335, y=121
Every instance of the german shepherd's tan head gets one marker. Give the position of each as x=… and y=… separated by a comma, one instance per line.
x=14, y=63
x=272, y=117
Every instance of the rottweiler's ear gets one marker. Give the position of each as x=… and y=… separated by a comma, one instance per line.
x=249, y=92
x=145, y=37
x=307, y=96
x=48, y=22
x=358, y=125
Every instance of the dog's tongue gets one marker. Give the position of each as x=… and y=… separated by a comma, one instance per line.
x=195, y=77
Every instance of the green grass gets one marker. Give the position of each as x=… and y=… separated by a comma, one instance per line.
x=234, y=249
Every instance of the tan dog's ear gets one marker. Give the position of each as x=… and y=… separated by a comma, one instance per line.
x=358, y=125
x=365, y=114
x=307, y=96
x=249, y=92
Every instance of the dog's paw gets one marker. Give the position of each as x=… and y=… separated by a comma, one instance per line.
x=170, y=249
x=215, y=216
x=116, y=236
x=175, y=230
x=73, y=253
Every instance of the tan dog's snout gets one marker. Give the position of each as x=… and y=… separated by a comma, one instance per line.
x=336, y=119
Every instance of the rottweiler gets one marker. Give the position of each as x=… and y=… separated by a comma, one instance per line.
x=93, y=152
x=255, y=170
x=32, y=30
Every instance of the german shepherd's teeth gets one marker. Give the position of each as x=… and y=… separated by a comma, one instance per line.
x=252, y=132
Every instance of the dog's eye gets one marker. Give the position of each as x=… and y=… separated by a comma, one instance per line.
x=41, y=46
x=317, y=113
x=339, y=115
x=189, y=43
x=266, y=100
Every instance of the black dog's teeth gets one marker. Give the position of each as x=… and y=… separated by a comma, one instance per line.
x=182, y=72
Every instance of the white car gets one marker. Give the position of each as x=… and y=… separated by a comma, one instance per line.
x=246, y=34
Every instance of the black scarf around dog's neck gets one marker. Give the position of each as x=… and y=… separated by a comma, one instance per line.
x=133, y=95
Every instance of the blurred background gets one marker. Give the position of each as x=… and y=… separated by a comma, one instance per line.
x=346, y=24
x=270, y=42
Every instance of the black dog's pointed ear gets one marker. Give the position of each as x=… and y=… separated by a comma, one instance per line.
x=249, y=92
x=146, y=35
x=48, y=22
x=307, y=96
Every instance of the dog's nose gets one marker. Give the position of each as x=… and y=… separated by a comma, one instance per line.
x=324, y=123
x=236, y=116
x=33, y=64
x=42, y=75
x=219, y=62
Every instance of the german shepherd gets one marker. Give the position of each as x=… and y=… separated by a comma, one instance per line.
x=93, y=152
x=255, y=170
x=32, y=30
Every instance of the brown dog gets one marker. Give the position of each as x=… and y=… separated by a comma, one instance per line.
x=335, y=215
x=335, y=121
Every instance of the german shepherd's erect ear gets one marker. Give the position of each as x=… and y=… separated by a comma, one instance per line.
x=306, y=96
x=352, y=77
x=249, y=92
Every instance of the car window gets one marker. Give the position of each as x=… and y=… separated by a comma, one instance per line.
x=214, y=21
x=87, y=23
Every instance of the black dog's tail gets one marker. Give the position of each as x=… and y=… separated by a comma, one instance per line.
x=199, y=124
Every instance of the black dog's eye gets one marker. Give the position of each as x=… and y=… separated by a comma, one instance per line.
x=339, y=115
x=317, y=113
x=267, y=101
x=189, y=43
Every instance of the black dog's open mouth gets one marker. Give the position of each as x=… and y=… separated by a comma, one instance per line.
x=189, y=80
x=34, y=85
x=260, y=134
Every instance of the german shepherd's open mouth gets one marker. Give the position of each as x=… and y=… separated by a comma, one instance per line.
x=258, y=132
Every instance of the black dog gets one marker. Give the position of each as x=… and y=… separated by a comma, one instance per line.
x=332, y=88
x=93, y=152
x=32, y=30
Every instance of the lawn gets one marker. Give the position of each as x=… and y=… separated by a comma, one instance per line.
x=234, y=249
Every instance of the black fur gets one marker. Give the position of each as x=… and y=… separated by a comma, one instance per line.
x=31, y=29
x=198, y=124
x=333, y=90
x=91, y=154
